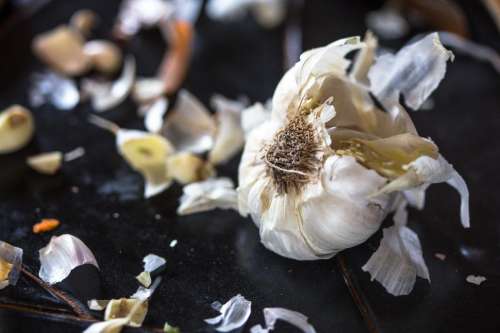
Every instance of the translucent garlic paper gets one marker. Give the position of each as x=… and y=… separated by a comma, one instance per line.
x=207, y=195
x=233, y=314
x=11, y=259
x=272, y=315
x=328, y=165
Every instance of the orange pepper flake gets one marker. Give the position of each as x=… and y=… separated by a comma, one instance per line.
x=45, y=225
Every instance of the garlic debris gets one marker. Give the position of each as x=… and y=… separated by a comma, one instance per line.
x=46, y=163
x=16, y=128
x=188, y=168
x=229, y=137
x=272, y=315
x=328, y=166
x=233, y=314
x=61, y=256
x=147, y=89
x=105, y=56
x=62, y=49
x=11, y=259
x=152, y=263
x=145, y=152
x=83, y=21
x=208, y=195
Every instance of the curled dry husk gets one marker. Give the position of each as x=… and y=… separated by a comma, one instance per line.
x=207, y=195
x=83, y=21
x=106, y=95
x=233, y=314
x=188, y=168
x=229, y=137
x=145, y=152
x=63, y=254
x=11, y=259
x=16, y=128
x=271, y=315
x=324, y=171
x=62, y=49
x=105, y=56
x=189, y=126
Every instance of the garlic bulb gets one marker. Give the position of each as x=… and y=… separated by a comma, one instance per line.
x=317, y=176
x=16, y=128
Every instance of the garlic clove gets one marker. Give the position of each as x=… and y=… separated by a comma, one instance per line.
x=83, y=21
x=61, y=256
x=147, y=89
x=188, y=168
x=16, y=128
x=11, y=259
x=398, y=261
x=272, y=315
x=46, y=163
x=107, y=95
x=234, y=314
x=155, y=112
x=62, y=49
x=105, y=56
x=415, y=71
x=229, y=137
x=189, y=126
x=207, y=195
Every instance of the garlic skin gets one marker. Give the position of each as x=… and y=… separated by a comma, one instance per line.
x=313, y=176
x=11, y=259
x=16, y=128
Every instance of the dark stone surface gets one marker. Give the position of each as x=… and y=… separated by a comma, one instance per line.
x=219, y=254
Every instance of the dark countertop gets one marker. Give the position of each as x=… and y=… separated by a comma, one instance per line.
x=219, y=254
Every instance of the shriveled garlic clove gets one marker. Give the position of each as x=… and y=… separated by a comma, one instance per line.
x=63, y=254
x=234, y=314
x=272, y=315
x=147, y=89
x=16, y=128
x=105, y=56
x=188, y=168
x=62, y=49
x=97, y=304
x=11, y=259
x=229, y=138
x=46, y=163
x=107, y=95
x=84, y=20
x=398, y=261
x=207, y=195
x=189, y=126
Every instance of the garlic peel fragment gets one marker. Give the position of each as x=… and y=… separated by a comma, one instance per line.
x=208, y=195
x=11, y=259
x=415, y=71
x=147, y=89
x=272, y=315
x=61, y=256
x=234, y=314
x=16, y=128
x=46, y=163
x=154, y=114
x=398, y=261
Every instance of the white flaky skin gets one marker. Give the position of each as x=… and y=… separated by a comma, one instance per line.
x=345, y=202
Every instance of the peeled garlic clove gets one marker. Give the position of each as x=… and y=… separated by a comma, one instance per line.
x=84, y=20
x=62, y=49
x=234, y=314
x=189, y=126
x=16, y=128
x=46, y=163
x=105, y=56
x=272, y=315
x=415, y=71
x=207, y=195
x=147, y=89
x=229, y=137
x=155, y=112
x=11, y=259
x=188, y=168
x=398, y=261
x=63, y=254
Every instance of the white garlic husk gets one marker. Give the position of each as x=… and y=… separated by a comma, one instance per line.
x=313, y=176
x=16, y=128
x=11, y=259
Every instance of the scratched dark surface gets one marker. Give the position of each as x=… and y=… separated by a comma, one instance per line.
x=219, y=254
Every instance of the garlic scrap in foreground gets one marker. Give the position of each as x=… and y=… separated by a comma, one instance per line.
x=46, y=163
x=233, y=314
x=105, y=56
x=188, y=168
x=152, y=262
x=207, y=195
x=272, y=315
x=11, y=259
x=398, y=261
x=16, y=128
x=61, y=256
